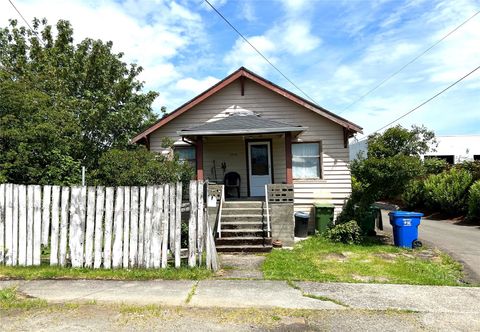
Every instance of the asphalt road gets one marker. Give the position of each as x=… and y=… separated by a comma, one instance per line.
x=462, y=242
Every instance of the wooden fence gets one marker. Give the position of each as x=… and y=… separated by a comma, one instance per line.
x=122, y=227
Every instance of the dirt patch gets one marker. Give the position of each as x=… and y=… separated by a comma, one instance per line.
x=240, y=266
x=336, y=257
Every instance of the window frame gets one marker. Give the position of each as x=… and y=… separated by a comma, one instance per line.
x=192, y=162
x=320, y=158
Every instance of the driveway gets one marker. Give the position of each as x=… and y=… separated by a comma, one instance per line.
x=462, y=242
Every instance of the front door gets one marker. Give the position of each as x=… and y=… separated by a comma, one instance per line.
x=259, y=167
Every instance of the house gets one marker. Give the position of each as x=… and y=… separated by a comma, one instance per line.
x=264, y=133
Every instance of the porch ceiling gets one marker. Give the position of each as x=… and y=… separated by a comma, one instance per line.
x=239, y=125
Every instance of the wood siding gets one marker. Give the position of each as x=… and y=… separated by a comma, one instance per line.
x=335, y=186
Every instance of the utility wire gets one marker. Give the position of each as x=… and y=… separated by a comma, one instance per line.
x=423, y=103
x=408, y=63
x=26, y=22
x=260, y=53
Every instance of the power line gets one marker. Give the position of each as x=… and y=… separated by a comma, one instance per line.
x=26, y=22
x=423, y=103
x=260, y=53
x=408, y=63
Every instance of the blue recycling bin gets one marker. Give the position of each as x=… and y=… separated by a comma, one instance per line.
x=405, y=228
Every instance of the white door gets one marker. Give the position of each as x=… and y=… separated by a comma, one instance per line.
x=259, y=167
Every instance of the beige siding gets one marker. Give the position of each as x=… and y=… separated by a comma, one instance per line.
x=335, y=185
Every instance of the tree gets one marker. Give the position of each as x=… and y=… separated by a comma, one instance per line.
x=84, y=91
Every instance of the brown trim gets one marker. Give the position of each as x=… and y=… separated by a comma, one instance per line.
x=288, y=158
x=242, y=84
x=248, y=163
x=243, y=72
x=320, y=153
x=199, y=157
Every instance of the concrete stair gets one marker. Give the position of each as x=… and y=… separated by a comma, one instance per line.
x=244, y=228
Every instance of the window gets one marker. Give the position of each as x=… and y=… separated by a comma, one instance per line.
x=306, y=160
x=187, y=154
x=476, y=157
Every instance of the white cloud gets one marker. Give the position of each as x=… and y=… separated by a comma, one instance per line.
x=196, y=86
x=243, y=54
x=298, y=39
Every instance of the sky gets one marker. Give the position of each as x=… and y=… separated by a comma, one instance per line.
x=335, y=51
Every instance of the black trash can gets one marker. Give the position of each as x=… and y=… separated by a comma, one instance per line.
x=301, y=224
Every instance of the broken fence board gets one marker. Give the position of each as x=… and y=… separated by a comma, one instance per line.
x=98, y=240
x=47, y=190
x=64, y=213
x=90, y=227
x=107, y=246
x=55, y=234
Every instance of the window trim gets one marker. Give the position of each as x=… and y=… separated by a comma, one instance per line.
x=320, y=157
x=193, y=161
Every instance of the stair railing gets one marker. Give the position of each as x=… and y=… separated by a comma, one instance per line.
x=219, y=222
x=268, y=212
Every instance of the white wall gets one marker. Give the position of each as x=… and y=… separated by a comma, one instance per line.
x=462, y=147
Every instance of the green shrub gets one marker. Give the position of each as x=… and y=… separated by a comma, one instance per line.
x=348, y=233
x=434, y=165
x=447, y=191
x=414, y=194
x=473, y=167
x=474, y=201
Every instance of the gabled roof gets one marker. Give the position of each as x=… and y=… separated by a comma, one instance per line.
x=240, y=124
x=243, y=72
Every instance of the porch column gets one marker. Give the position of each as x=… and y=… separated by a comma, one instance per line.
x=288, y=157
x=199, y=157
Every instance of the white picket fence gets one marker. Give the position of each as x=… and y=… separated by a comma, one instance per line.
x=122, y=227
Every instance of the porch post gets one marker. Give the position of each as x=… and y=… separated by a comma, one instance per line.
x=288, y=157
x=199, y=157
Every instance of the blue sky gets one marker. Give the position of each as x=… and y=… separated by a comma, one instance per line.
x=334, y=50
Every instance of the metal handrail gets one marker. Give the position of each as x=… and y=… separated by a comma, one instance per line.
x=219, y=223
x=268, y=212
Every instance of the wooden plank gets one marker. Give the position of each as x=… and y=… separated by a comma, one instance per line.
x=107, y=246
x=126, y=226
x=192, y=225
x=178, y=224
x=147, y=239
x=90, y=227
x=37, y=224
x=22, y=225
x=166, y=212
x=47, y=190
x=8, y=223
x=15, y=226
x=141, y=227
x=99, y=210
x=30, y=203
x=200, y=222
x=171, y=219
x=2, y=223
x=77, y=224
x=118, y=229
x=133, y=246
x=55, y=232
x=156, y=251
x=64, y=214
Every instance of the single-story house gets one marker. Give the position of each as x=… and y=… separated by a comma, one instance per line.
x=266, y=135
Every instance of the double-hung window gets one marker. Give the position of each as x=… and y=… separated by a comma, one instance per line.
x=186, y=154
x=307, y=160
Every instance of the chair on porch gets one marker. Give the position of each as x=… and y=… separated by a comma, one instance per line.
x=232, y=180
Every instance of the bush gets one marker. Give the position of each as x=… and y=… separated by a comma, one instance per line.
x=414, y=194
x=434, y=165
x=474, y=201
x=348, y=233
x=473, y=167
x=447, y=191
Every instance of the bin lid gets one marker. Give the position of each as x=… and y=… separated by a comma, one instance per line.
x=302, y=214
x=323, y=205
x=405, y=214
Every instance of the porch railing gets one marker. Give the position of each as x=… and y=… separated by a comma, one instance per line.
x=268, y=212
x=219, y=222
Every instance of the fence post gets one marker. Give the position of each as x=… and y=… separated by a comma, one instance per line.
x=8, y=223
x=15, y=226
x=63, y=226
x=107, y=246
x=178, y=224
x=166, y=211
x=54, y=237
x=192, y=225
x=200, y=223
x=141, y=227
x=118, y=229
x=99, y=210
x=47, y=190
x=90, y=227
x=133, y=227
x=22, y=225
x=148, y=227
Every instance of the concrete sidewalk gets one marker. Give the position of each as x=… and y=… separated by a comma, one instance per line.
x=257, y=294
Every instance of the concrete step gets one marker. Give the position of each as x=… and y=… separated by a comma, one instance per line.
x=244, y=248
x=243, y=218
x=242, y=225
x=243, y=204
x=240, y=240
x=245, y=232
x=230, y=211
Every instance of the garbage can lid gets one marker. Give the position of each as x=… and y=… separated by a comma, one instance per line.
x=323, y=205
x=405, y=214
x=302, y=214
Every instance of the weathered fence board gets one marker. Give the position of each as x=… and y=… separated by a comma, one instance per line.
x=46, y=214
x=99, y=227
x=54, y=235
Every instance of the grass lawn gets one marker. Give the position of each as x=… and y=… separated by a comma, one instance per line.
x=55, y=272
x=11, y=299
x=317, y=259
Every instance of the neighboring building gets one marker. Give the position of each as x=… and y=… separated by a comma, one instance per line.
x=266, y=134
x=453, y=149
